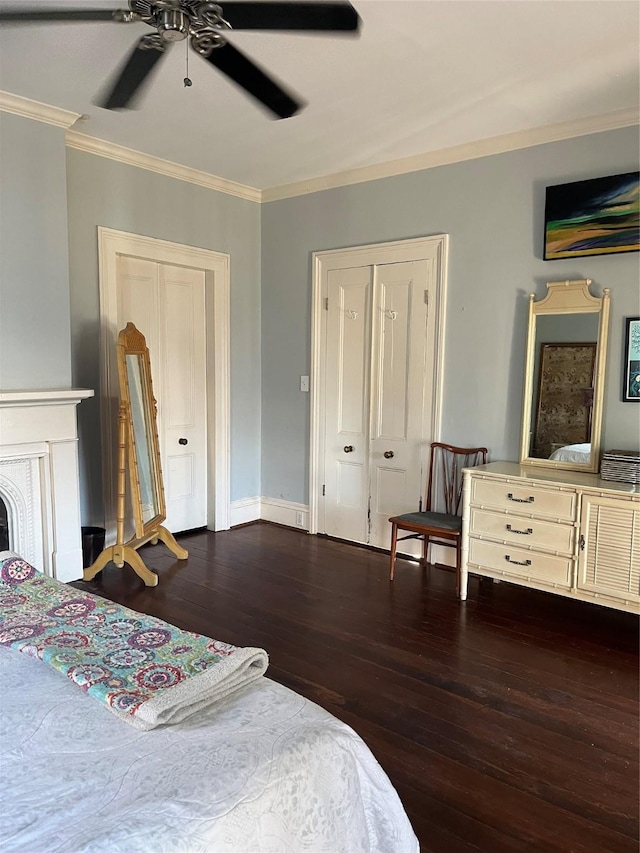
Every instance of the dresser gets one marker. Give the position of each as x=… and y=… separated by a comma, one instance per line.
x=565, y=532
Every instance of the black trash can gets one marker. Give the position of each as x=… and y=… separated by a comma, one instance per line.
x=92, y=544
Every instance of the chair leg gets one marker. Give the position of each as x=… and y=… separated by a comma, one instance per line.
x=394, y=542
x=425, y=551
x=458, y=565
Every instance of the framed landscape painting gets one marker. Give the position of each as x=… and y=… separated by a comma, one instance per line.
x=595, y=217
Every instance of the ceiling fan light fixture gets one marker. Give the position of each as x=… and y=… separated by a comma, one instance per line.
x=173, y=25
x=211, y=15
x=206, y=41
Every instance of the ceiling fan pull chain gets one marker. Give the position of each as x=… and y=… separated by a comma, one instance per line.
x=187, y=80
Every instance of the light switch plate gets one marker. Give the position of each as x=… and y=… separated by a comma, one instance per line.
x=304, y=383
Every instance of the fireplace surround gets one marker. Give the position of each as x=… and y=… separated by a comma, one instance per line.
x=39, y=478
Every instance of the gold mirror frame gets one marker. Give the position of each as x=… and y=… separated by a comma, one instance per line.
x=139, y=449
x=136, y=395
x=566, y=297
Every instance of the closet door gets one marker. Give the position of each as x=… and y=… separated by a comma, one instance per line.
x=399, y=388
x=377, y=393
x=184, y=406
x=167, y=304
x=347, y=377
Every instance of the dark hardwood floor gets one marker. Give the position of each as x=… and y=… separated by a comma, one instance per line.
x=509, y=723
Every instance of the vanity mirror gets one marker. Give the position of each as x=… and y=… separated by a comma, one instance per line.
x=564, y=377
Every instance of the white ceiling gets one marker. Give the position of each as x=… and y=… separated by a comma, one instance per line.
x=424, y=75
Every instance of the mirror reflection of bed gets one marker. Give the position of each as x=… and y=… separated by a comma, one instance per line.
x=580, y=453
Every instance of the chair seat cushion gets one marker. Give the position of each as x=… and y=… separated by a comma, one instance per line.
x=430, y=519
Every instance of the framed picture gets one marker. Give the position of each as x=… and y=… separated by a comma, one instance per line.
x=596, y=217
x=631, y=361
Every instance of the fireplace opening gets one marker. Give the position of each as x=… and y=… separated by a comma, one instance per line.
x=5, y=545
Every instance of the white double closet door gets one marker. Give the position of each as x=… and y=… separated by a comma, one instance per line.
x=379, y=389
x=167, y=304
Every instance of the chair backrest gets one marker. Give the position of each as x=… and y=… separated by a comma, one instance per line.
x=444, y=486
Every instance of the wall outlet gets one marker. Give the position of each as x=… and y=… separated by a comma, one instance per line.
x=300, y=519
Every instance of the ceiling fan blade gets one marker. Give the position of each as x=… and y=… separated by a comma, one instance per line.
x=137, y=68
x=246, y=74
x=330, y=16
x=36, y=16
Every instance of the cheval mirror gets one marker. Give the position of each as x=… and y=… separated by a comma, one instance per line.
x=564, y=377
x=138, y=450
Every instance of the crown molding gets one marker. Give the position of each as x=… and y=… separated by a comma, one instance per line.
x=92, y=145
x=16, y=104
x=457, y=154
x=557, y=132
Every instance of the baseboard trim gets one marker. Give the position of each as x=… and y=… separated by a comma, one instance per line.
x=443, y=556
x=244, y=511
x=287, y=513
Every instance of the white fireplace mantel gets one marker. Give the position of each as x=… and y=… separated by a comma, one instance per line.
x=39, y=477
x=50, y=397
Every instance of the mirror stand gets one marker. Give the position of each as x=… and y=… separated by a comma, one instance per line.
x=137, y=445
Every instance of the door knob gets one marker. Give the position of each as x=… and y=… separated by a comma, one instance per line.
x=388, y=454
x=348, y=448
x=183, y=441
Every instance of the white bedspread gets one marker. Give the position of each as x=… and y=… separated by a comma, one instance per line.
x=572, y=453
x=264, y=770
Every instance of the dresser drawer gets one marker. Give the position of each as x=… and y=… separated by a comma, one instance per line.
x=528, y=532
x=519, y=563
x=524, y=498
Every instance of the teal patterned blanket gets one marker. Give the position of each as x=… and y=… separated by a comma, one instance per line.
x=144, y=670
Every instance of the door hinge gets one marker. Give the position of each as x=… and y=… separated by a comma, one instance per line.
x=426, y=298
x=326, y=303
x=323, y=488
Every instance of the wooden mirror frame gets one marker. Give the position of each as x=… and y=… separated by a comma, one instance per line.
x=131, y=342
x=566, y=297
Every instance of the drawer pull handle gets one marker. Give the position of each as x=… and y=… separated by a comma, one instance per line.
x=528, y=500
x=517, y=562
x=526, y=532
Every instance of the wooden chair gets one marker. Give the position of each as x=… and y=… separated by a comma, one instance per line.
x=440, y=521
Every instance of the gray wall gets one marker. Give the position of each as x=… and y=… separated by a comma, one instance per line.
x=105, y=192
x=493, y=210
x=491, y=207
x=34, y=265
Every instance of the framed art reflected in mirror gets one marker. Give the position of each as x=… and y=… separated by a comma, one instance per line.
x=631, y=361
x=564, y=397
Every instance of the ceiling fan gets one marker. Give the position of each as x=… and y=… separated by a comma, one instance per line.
x=206, y=24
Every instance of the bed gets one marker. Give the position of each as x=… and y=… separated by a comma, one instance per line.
x=262, y=769
x=580, y=453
